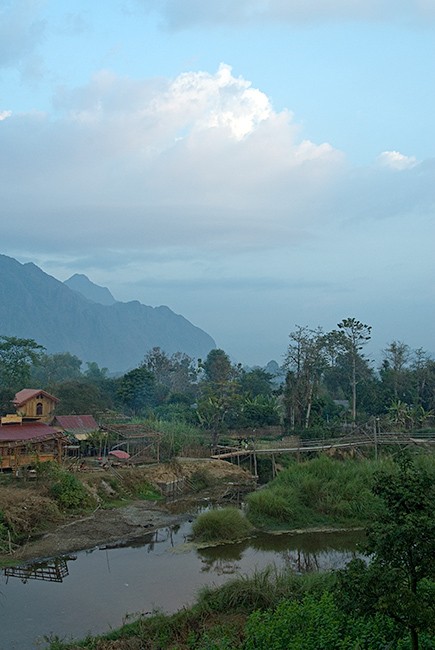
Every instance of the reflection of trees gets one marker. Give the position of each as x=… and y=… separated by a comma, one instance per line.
x=219, y=566
x=300, y=561
x=303, y=561
x=222, y=559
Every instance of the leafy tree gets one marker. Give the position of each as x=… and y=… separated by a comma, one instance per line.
x=138, y=390
x=54, y=368
x=16, y=359
x=80, y=397
x=394, y=367
x=255, y=382
x=176, y=372
x=260, y=411
x=218, y=368
x=94, y=373
x=399, y=580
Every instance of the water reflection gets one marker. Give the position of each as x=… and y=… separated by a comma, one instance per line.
x=300, y=553
x=55, y=570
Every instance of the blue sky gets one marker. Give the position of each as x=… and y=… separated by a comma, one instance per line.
x=253, y=164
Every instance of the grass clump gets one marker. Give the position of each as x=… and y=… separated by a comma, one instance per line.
x=223, y=525
x=317, y=492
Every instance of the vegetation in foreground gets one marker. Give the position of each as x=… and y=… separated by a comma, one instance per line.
x=388, y=602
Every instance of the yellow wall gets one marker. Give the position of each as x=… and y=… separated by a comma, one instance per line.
x=29, y=409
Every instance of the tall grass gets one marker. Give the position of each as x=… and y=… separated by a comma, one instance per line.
x=225, y=524
x=322, y=491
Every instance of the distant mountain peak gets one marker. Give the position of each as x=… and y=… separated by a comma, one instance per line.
x=82, y=284
x=66, y=317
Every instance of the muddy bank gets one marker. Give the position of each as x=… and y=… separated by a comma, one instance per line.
x=107, y=525
x=102, y=527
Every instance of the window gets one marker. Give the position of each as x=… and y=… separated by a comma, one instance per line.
x=39, y=408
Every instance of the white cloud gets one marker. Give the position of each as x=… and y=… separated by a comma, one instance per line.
x=163, y=162
x=4, y=115
x=396, y=160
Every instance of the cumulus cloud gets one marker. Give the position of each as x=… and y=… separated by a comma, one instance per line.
x=178, y=15
x=202, y=157
x=396, y=160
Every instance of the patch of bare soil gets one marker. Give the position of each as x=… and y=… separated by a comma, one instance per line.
x=122, y=524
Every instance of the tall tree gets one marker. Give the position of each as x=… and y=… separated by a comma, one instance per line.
x=217, y=367
x=177, y=372
x=354, y=336
x=395, y=374
x=137, y=390
x=305, y=363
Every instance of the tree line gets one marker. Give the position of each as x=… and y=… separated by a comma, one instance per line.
x=325, y=381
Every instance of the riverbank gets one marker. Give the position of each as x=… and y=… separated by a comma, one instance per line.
x=126, y=506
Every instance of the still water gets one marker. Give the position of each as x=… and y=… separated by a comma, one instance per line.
x=94, y=591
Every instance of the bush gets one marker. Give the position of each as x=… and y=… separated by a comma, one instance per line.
x=316, y=624
x=226, y=524
x=69, y=492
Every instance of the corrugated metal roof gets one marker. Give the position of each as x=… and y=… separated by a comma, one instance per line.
x=24, y=395
x=76, y=423
x=26, y=431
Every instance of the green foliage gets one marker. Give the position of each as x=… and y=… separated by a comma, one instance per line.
x=316, y=623
x=64, y=486
x=4, y=533
x=226, y=524
x=322, y=491
x=138, y=390
x=399, y=581
x=55, y=368
x=69, y=492
x=16, y=359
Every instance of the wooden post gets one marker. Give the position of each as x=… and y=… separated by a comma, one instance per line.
x=255, y=462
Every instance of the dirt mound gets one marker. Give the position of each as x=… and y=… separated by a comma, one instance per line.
x=25, y=511
x=216, y=470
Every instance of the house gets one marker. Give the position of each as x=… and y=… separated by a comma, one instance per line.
x=35, y=404
x=26, y=437
x=78, y=426
x=22, y=444
x=78, y=430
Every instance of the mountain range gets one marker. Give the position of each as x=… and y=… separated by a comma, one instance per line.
x=82, y=318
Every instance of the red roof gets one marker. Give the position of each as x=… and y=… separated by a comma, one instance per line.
x=24, y=395
x=77, y=423
x=27, y=431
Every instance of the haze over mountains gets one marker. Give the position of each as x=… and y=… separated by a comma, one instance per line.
x=80, y=317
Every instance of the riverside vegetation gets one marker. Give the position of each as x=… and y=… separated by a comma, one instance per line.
x=388, y=601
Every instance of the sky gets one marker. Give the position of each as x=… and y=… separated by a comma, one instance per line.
x=255, y=165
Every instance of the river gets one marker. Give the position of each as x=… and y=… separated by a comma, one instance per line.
x=94, y=591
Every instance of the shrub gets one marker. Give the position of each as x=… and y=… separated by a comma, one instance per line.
x=316, y=624
x=226, y=524
x=69, y=492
